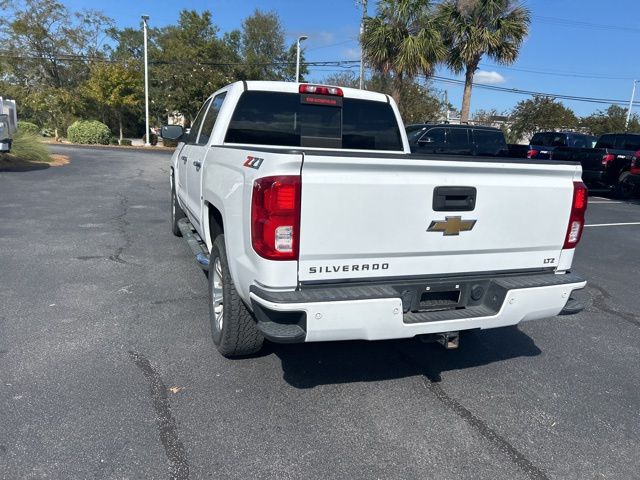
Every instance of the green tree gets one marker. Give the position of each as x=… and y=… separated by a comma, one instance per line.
x=116, y=87
x=262, y=47
x=540, y=113
x=474, y=28
x=609, y=121
x=401, y=41
x=188, y=63
x=46, y=51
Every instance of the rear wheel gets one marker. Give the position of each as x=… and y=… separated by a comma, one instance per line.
x=176, y=211
x=624, y=188
x=233, y=327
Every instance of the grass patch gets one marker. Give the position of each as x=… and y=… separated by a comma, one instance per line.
x=28, y=147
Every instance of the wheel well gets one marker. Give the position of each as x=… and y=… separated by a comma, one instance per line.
x=216, y=226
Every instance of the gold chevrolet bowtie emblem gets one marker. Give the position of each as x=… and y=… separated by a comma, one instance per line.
x=451, y=226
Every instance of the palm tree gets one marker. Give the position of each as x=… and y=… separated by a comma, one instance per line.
x=473, y=28
x=402, y=41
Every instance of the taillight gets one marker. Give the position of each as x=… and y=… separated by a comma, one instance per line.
x=576, y=219
x=275, y=217
x=635, y=163
x=532, y=153
x=320, y=90
x=607, y=158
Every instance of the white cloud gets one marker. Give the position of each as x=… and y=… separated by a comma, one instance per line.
x=351, y=54
x=488, y=78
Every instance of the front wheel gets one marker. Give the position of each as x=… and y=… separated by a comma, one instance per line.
x=233, y=328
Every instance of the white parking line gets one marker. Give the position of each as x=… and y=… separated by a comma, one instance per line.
x=612, y=224
x=591, y=202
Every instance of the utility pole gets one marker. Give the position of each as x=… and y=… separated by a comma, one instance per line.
x=145, y=18
x=300, y=38
x=364, y=15
x=633, y=94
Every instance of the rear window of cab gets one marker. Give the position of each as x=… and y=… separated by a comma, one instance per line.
x=284, y=119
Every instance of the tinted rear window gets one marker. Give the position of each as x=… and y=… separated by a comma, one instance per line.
x=275, y=118
x=628, y=142
x=606, y=141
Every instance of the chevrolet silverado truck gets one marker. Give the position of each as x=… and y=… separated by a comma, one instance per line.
x=608, y=165
x=315, y=222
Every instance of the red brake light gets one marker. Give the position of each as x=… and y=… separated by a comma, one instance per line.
x=607, y=158
x=320, y=90
x=275, y=217
x=532, y=153
x=635, y=163
x=576, y=219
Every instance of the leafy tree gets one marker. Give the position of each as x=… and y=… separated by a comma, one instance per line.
x=187, y=60
x=419, y=102
x=262, y=47
x=609, y=121
x=46, y=50
x=401, y=41
x=116, y=87
x=540, y=113
x=474, y=28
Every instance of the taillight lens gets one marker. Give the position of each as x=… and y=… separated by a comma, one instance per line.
x=275, y=217
x=607, y=158
x=532, y=153
x=635, y=163
x=576, y=219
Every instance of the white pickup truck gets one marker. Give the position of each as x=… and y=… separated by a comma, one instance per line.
x=316, y=223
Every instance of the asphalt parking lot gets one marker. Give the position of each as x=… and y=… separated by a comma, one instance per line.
x=107, y=369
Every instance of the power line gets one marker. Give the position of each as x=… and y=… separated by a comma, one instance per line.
x=580, y=24
x=557, y=73
x=575, y=98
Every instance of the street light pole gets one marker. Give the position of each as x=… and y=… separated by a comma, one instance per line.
x=364, y=15
x=145, y=18
x=300, y=38
x=633, y=94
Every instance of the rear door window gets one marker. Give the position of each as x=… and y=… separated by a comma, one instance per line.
x=210, y=119
x=434, y=136
x=192, y=136
x=541, y=139
x=459, y=138
x=489, y=142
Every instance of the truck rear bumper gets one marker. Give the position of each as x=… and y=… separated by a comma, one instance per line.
x=386, y=311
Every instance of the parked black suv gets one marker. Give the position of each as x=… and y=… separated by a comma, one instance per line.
x=456, y=139
x=607, y=165
x=543, y=143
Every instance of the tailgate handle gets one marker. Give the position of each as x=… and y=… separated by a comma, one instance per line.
x=454, y=199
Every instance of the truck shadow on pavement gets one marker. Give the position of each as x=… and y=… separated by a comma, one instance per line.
x=313, y=364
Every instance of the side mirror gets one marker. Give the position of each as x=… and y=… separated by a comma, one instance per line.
x=426, y=140
x=172, y=132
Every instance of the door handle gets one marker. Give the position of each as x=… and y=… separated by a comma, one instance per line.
x=197, y=164
x=183, y=158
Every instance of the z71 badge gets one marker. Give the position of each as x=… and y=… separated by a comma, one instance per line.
x=253, y=162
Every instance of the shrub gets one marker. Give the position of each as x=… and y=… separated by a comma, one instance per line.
x=114, y=141
x=89, y=131
x=169, y=143
x=153, y=139
x=125, y=141
x=28, y=127
x=27, y=146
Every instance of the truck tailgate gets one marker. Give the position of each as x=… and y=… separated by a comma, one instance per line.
x=368, y=217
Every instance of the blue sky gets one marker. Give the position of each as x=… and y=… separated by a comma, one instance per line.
x=593, y=56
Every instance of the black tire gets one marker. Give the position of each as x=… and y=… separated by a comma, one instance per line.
x=236, y=334
x=176, y=211
x=624, y=189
